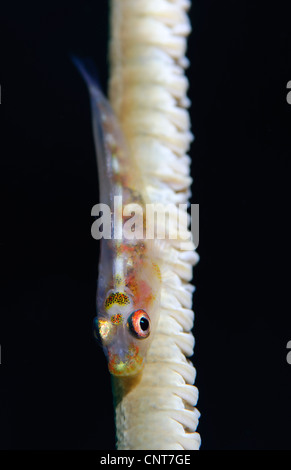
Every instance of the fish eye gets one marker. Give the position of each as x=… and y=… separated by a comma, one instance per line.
x=138, y=324
x=96, y=329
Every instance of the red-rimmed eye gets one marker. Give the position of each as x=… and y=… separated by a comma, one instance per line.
x=139, y=324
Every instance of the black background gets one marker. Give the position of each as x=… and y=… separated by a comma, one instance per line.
x=54, y=387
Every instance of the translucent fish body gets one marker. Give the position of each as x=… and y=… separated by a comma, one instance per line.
x=129, y=281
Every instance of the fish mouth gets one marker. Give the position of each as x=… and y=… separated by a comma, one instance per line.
x=129, y=364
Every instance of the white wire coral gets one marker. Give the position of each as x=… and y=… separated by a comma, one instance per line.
x=147, y=91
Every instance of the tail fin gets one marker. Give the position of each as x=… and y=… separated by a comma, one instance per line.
x=88, y=71
x=106, y=129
